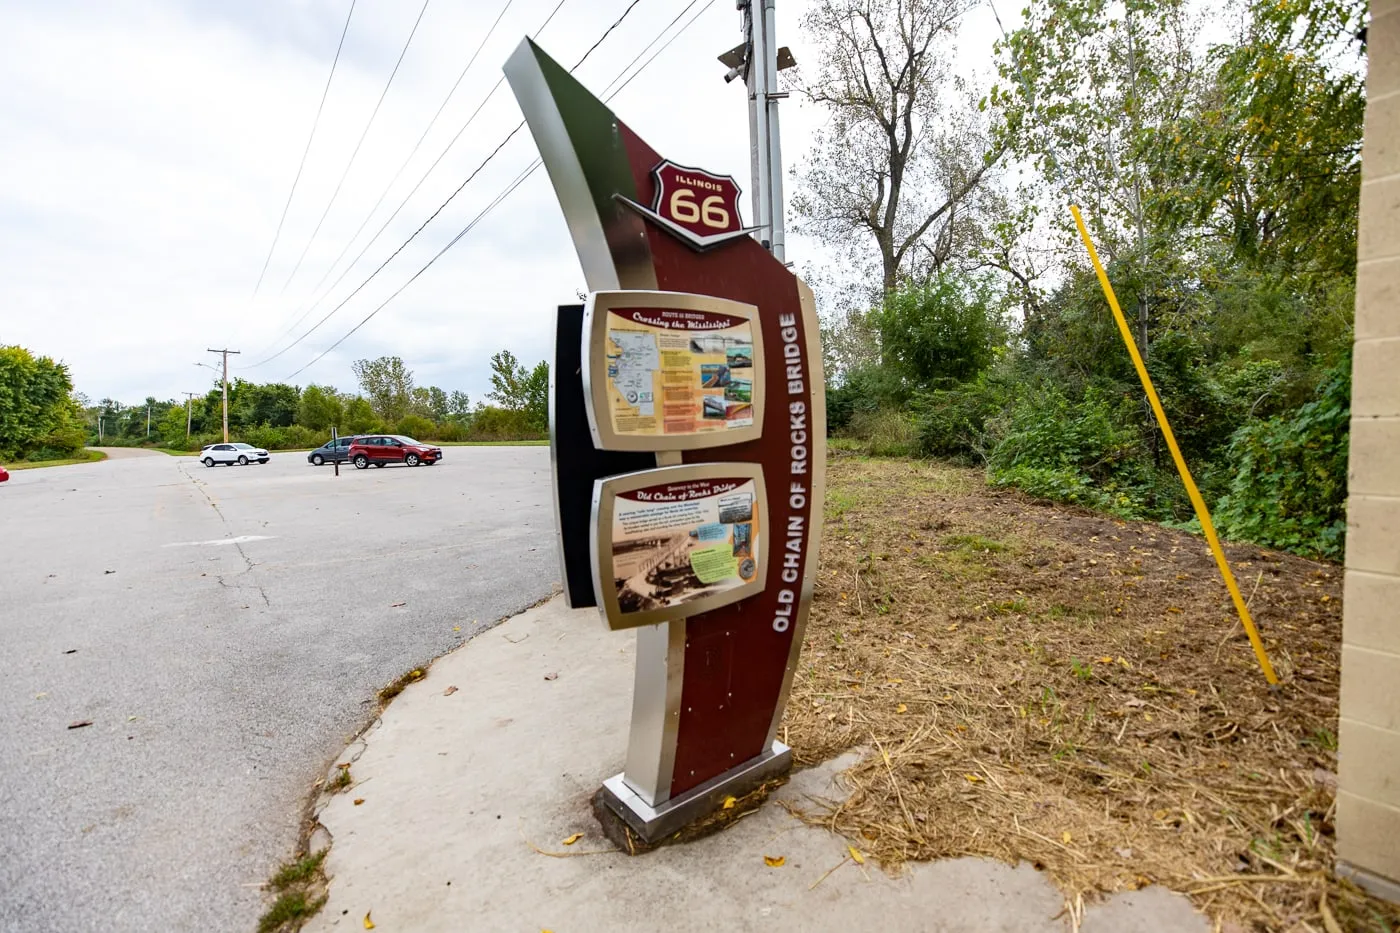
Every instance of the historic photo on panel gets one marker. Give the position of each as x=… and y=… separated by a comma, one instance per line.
x=677, y=542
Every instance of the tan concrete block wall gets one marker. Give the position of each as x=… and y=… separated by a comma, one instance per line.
x=1368, y=798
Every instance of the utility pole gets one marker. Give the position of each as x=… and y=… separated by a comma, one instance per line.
x=148, y=421
x=759, y=60
x=225, y=354
x=189, y=399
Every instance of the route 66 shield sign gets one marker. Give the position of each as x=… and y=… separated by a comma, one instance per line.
x=698, y=207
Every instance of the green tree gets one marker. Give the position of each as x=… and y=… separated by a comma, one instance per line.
x=37, y=411
x=459, y=406
x=938, y=334
x=388, y=384
x=438, y=404
x=899, y=163
x=274, y=404
x=417, y=427
x=515, y=388
x=360, y=417
x=320, y=408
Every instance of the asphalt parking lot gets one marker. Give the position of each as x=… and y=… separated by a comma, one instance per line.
x=224, y=631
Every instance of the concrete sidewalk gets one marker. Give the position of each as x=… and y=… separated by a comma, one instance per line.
x=461, y=790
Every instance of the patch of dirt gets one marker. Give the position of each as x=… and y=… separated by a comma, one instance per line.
x=1040, y=683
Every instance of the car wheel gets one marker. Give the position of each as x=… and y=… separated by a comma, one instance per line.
x=411, y=460
x=317, y=459
x=242, y=460
x=208, y=461
x=361, y=462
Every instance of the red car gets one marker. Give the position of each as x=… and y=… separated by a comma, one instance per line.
x=381, y=449
x=4, y=474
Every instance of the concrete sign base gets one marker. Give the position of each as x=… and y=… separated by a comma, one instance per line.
x=654, y=824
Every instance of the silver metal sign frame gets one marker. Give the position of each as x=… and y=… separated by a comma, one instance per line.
x=605, y=493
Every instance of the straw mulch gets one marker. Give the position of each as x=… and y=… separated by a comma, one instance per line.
x=1039, y=683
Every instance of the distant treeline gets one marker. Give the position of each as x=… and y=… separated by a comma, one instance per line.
x=282, y=417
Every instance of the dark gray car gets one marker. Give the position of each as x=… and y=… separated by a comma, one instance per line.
x=332, y=451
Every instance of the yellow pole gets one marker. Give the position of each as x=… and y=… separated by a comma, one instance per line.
x=1197, y=502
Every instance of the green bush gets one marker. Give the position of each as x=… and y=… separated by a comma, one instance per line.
x=952, y=422
x=293, y=437
x=1290, y=474
x=418, y=428
x=887, y=432
x=490, y=423
x=862, y=391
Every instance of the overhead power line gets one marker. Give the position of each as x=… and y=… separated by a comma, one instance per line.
x=516, y=183
x=418, y=145
x=390, y=219
x=302, y=164
x=374, y=113
x=443, y=206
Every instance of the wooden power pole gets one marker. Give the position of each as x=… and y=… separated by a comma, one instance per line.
x=225, y=354
x=189, y=399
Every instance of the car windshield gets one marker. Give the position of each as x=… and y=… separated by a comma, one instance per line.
x=247, y=447
x=405, y=440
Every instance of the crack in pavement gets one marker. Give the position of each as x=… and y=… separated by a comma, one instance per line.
x=248, y=563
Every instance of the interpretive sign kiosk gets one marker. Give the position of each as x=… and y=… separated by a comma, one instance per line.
x=697, y=368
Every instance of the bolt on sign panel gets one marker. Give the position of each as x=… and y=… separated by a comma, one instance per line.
x=668, y=371
x=710, y=686
x=676, y=541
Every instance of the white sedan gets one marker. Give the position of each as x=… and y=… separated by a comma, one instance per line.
x=229, y=454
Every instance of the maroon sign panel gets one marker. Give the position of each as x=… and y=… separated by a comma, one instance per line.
x=741, y=651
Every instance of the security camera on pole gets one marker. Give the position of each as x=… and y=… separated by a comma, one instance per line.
x=758, y=59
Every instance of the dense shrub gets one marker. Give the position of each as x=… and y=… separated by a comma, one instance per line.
x=952, y=422
x=1290, y=471
x=499, y=424
x=887, y=432
x=418, y=428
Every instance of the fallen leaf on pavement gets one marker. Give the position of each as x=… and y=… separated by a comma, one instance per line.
x=40, y=696
x=449, y=691
x=901, y=708
x=359, y=800
x=729, y=803
x=71, y=651
x=369, y=924
x=572, y=839
x=774, y=861
x=109, y=571
x=397, y=605
x=554, y=676
x=973, y=778
x=80, y=724
x=1065, y=837
x=855, y=855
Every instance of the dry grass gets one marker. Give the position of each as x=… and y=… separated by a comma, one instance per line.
x=1043, y=684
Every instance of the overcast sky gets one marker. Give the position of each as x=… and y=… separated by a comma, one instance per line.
x=147, y=148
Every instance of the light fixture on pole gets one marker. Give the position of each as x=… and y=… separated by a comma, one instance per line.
x=758, y=60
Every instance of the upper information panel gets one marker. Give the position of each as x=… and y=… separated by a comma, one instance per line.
x=671, y=371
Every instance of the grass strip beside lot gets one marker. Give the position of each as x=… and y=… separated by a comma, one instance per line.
x=534, y=443
x=1040, y=683
x=89, y=456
